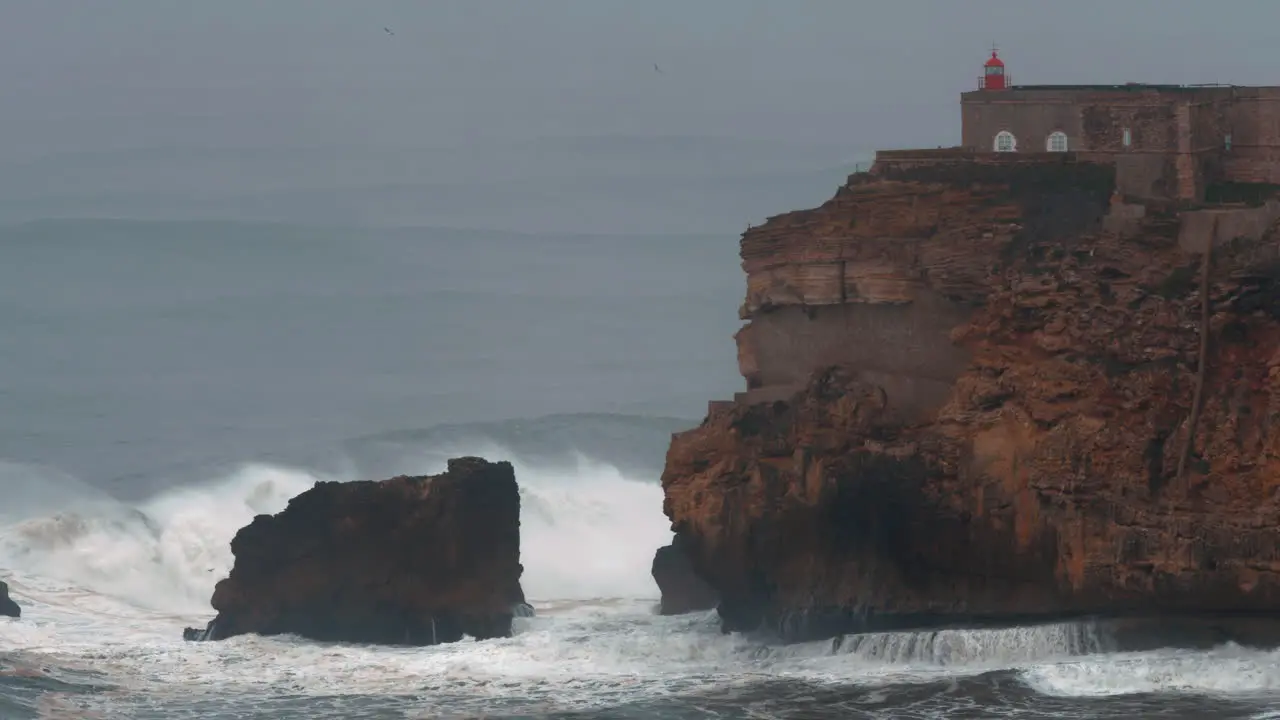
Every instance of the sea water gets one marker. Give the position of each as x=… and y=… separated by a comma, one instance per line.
x=162, y=383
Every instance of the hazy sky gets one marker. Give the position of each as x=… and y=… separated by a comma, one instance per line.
x=89, y=74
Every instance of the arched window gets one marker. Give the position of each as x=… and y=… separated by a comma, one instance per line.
x=1006, y=142
x=1057, y=142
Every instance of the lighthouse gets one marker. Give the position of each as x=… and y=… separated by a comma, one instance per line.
x=993, y=77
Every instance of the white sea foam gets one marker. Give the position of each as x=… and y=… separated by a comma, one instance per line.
x=1227, y=670
x=164, y=554
x=107, y=588
x=587, y=531
x=977, y=649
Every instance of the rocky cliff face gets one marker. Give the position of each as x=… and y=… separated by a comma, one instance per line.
x=8, y=607
x=993, y=393
x=410, y=560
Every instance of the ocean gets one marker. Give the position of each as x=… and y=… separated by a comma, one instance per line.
x=162, y=382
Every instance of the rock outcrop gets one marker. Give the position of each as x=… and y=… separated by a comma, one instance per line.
x=682, y=590
x=991, y=391
x=410, y=560
x=8, y=607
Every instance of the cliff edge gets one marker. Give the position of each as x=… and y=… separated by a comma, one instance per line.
x=990, y=391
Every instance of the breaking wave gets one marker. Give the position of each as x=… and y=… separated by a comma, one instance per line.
x=588, y=531
x=108, y=585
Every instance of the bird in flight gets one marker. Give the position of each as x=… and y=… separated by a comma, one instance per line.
x=657, y=69
x=388, y=31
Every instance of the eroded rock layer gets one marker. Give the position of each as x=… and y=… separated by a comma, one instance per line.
x=410, y=560
x=977, y=395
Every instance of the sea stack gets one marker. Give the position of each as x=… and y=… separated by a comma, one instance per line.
x=994, y=388
x=8, y=607
x=410, y=560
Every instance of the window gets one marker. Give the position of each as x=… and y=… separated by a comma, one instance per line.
x=1128, y=137
x=1057, y=142
x=1226, y=141
x=1006, y=142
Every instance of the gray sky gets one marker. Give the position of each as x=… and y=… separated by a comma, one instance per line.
x=88, y=74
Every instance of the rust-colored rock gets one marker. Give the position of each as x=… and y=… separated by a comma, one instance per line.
x=8, y=607
x=682, y=590
x=972, y=399
x=410, y=560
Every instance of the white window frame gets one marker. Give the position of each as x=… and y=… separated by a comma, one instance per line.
x=1127, y=138
x=1056, y=142
x=1003, y=135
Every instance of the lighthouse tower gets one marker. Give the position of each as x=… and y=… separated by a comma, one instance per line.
x=993, y=77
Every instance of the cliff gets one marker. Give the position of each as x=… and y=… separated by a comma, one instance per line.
x=410, y=560
x=988, y=391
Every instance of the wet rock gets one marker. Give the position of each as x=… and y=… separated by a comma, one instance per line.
x=969, y=405
x=191, y=634
x=8, y=607
x=410, y=560
x=682, y=590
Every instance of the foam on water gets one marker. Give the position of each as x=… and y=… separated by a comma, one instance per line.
x=587, y=531
x=977, y=649
x=1227, y=670
x=107, y=587
x=590, y=533
x=164, y=554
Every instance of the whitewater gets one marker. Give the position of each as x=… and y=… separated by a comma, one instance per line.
x=107, y=588
x=163, y=383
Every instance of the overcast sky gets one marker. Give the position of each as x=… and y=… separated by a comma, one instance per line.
x=93, y=74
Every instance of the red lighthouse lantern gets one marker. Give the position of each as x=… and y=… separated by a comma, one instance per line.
x=993, y=77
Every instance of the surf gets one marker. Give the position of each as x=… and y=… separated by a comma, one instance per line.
x=109, y=585
x=588, y=530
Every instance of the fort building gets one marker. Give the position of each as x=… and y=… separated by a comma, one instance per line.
x=1167, y=142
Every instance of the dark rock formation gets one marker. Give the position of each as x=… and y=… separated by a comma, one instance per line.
x=8, y=607
x=994, y=393
x=410, y=560
x=682, y=590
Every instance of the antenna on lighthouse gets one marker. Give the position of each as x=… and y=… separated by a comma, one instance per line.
x=993, y=77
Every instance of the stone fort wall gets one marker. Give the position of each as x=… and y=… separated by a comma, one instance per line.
x=1180, y=139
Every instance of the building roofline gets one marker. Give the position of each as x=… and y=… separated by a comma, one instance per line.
x=1133, y=87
